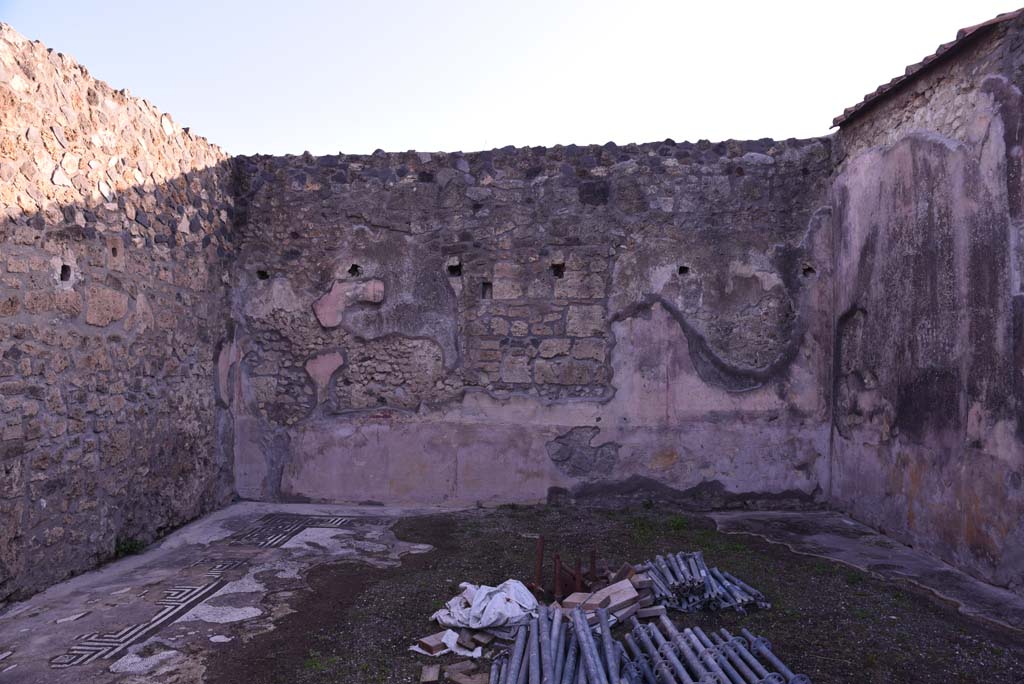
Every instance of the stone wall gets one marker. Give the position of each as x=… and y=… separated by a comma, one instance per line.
x=484, y=327
x=929, y=408
x=838, y=320
x=114, y=226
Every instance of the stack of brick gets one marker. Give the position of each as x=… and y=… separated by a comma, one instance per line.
x=624, y=598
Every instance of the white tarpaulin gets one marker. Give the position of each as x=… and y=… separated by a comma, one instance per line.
x=482, y=607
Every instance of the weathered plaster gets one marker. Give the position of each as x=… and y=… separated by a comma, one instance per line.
x=755, y=323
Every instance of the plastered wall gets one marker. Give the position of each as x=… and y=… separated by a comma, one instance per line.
x=836, y=321
x=928, y=429
x=452, y=328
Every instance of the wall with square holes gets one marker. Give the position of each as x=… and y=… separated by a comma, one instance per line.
x=505, y=325
x=748, y=323
x=113, y=247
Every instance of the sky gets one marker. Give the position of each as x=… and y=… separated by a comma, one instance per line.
x=257, y=76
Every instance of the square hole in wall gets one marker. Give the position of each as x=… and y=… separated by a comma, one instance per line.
x=65, y=272
x=558, y=270
x=355, y=270
x=486, y=290
x=455, y=269
x=684, y=270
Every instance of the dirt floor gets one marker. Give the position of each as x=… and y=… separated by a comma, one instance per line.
x=828, y=621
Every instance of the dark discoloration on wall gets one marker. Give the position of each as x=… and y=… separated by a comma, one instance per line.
x=926, y=411
x=928, y=404
x=505, y=272
x=742, y=323
x=510, y=219
x=1018, y=361
x=709, y=495
x=575, y=454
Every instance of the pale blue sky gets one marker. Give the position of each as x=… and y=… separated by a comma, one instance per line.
x=280, y=77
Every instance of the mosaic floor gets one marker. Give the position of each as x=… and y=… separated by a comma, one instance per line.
x=149, y=618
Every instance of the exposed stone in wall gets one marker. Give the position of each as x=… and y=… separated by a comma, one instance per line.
x=514, y=261
x=436, y=276
x=937, y=100
x=839, y=318
x=113, y=241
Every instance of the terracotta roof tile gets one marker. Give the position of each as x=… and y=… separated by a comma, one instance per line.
x=943, y=51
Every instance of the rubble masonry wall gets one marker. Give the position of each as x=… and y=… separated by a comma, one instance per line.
x=496, y=326
x=113, y=249
x=747, y=323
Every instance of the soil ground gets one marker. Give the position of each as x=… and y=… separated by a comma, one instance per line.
x=829, y=621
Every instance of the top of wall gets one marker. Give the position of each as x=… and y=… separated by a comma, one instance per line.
x=964, y=37
x=97, y=141
x=21, y=61
x=28, y=66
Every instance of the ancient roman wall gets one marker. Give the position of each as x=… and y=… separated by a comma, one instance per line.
x=929, y=408
x=751, y=323
x=485, y=327
x=113, y=246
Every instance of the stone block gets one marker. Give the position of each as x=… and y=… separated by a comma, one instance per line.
x=585, y=320
x=515, y=369
x=580, y=285
x=554, y=347
x=9, y=306
x=594, y=349
x=563, y=371
x=499, y=326
x=104, y=305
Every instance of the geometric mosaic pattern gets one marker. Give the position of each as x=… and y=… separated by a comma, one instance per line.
x=271, y=531
x=218, y=567
x=276, y=529
x=176, y=602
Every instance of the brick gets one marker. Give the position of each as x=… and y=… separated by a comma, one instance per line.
x=461, y=672
x=575, y=599
x=614, y=596
x=466, y=638
x=462, y=678
x=599, y=599
x=625, y=613
x=651, y=612
x=641, y=581
x=483, y=638
x=432, y=644
x=625, y=572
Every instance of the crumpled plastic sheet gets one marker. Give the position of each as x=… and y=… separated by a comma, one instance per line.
x=497, y=609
